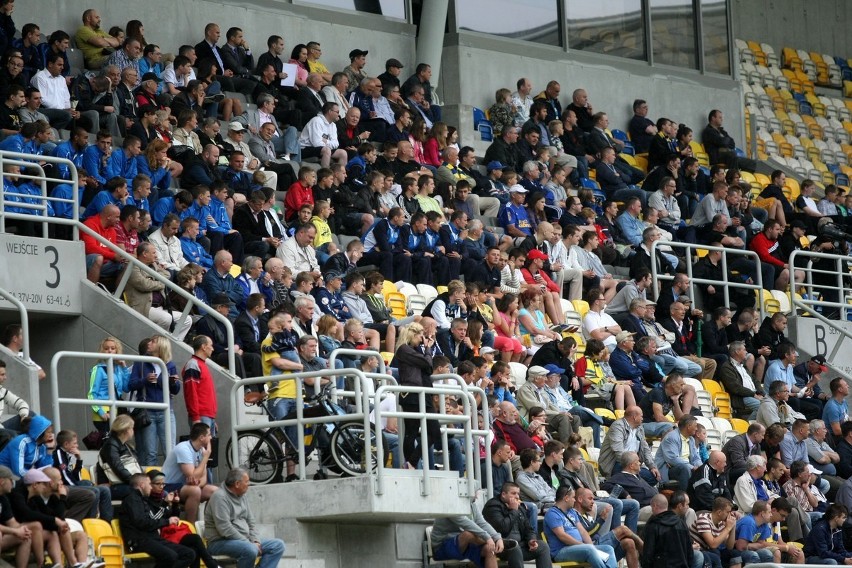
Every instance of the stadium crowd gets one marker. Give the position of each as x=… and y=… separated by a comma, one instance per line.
x=289, y=215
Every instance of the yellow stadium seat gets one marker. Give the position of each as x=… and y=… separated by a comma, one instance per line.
x=712, y=386
x=235, y=270
x=795, y=190
x=722, y=402
x=605, y=413
x=739, y=425
x=762, y=179
x=581, y=307
x=642, y=163
x=104, y=543
x=441, y=289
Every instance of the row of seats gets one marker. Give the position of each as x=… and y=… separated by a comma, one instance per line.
x=809, y=133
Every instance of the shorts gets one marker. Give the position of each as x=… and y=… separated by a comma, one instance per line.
x=449, y=550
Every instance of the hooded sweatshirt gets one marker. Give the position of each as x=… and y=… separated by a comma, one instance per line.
x=23, y=453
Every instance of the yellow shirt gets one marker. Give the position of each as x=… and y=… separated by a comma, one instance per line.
x=323, y=235
x=94, y=55
x=684, y=448
x=282, y=389
x=317, y=67
x=429, y=204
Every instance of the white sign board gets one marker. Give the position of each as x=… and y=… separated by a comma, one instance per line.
x=816, y=338
x=42, y=274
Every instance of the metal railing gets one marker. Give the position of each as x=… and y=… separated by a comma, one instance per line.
x=40, y=208
x=811, y=305
x=690, y=247
x=25, y=322
x=361, y=412
x=191, y=300
x=468, y=431
x=113, y=402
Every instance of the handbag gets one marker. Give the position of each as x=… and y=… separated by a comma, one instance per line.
x=141, y=418
x=128, y=461
x=94, y=440
x=174, y=533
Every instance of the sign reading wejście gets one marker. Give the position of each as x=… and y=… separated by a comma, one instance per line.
x=42, y=274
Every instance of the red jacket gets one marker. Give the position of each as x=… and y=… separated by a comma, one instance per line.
x=199, y=390
x=767, y=250
x=93, y=246
x=529, y=279
x=297, y=195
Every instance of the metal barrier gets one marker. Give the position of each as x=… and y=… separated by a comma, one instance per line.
x=25, y=321
x=113, y=402
x=811, y=305
x=689, y=247
x=467, y=429
x=27, y=161
x=361, y=410
x=191, y=301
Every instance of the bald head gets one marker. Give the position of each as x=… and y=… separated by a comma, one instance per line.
x=659, y=504
x=718, y=461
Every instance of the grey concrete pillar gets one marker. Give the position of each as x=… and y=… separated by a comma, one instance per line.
x=430, y=40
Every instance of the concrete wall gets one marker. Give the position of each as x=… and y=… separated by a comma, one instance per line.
x=170, y=24
x=612, y=84
x=815, y=25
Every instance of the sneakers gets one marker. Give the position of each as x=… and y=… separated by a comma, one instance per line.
x=291, y=477
x=93, y=563
x=217, y=98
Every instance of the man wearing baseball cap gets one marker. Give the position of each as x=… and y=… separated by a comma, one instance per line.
x=566, y=403
x=624, y=363
x=493, y=183
x=390, y=78
x=532, y=393
x=513, y=216
x=18, y=535
x=808, y=375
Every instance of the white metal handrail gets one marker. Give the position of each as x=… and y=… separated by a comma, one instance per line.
x=466, y=418
x=25, y=321
x=113, y=402
x=361, y=410
x=27, y=161
x=689, y=247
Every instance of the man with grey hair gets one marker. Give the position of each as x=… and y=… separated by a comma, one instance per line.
x=284, y=140
x=627, y=435
x=774, y=408
x=630, y=478
x=533, y=393
x=336, y=91
x=230, y=528
x=749, y=487
x=738, y=382
x=820, y=454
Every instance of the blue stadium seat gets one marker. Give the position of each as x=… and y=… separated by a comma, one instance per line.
x=706, y=170
x=806, y=108
x=834, y=169
x=589, y=183
x=841, y=179
x=478, y=116
x=799, y=96
x=486, y=133
x=740, y=153
x=620, y=135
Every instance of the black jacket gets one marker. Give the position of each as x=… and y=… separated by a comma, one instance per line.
x=111, y=453
x=667, y=542
x=27, y=510
x=510, y=524
x=766, y=336
x=245, y=331
x=415, y=369
x=715, y=340
x=252, y=230
x=139, y=519
x=705, y=484
x=636, y=487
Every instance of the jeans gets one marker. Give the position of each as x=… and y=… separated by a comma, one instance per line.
x=819, y=560
x=279, y=409
x=753, y=404
x=657, y=429
x=680, y=473
x=103, y=502
x=147, y=438
x=680, y=365
x=627, y=507
x=755, y=556
x=516, y=556
x=392, y=447
x=245, y=552
x=587, y=420
x=587, y=553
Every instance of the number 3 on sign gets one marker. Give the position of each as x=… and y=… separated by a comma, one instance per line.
x=53, y=265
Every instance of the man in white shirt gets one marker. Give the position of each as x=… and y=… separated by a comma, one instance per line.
x=563, y=260
x=319, y=137
x=297, y=252
x=522, y=101
x=55, y=97
x=167, y=243
x=598, y=324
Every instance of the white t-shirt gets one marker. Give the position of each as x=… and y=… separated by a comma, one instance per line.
x=594, y=321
